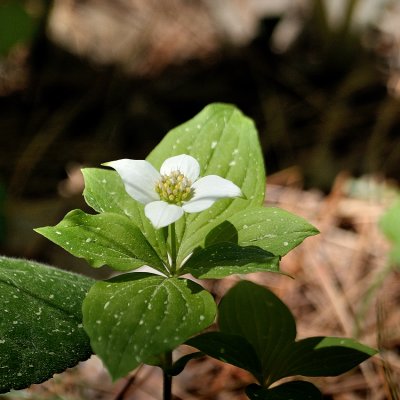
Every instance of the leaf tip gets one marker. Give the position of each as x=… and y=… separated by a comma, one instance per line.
x=41, y=230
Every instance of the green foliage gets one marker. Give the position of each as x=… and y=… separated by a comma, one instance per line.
x=390, y=225
x=101, y=239
x=229, y=348
x=225, y=143
x=105, y=192
x=41, y=329
x=223, y=259
x=259, y=318
x=249, y=241
x=325, y=356
x=272, y=229
x=134, y=317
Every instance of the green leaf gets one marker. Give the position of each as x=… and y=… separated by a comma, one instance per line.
x=296, y=390
x=105, y=192
x=326, y=356
x=390, y=225
x=232, y=349
x=136, y=316
x=102, y=239
x=256, y=314
x=274, y=230
x=225, y=143
x=40, y=322
x=223, y=259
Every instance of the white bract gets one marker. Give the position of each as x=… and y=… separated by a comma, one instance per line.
x=174, y=190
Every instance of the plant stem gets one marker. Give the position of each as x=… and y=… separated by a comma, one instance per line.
x=172, y=236
x=167, y=378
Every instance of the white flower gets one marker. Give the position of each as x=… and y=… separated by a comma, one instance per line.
x=174, y=190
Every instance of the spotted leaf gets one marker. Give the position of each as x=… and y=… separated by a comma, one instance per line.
x=40, y=322
x=103, y=239
x=134, y=317
x=270, y=228
x=225, y=143
x=105, y=193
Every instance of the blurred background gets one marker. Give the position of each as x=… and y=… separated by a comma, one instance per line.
x=87, y=81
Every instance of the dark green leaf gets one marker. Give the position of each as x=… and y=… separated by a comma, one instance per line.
x=223, y=259
x=40, y=322
x=225, y=143
x=296, y=390
x=326, y=356
x=222, y=233
x=256, y=314
x=270, y=228
x=135, y=316
x=105, y=192
x=232, y=349
x=101, y=239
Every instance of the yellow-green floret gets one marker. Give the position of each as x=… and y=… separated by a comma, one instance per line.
x=174, y=188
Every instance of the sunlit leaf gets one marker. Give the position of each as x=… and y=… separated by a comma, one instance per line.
x=273, y=229
x=105, y=192
x=135, y=316
x=225, y=143
x=103, y=239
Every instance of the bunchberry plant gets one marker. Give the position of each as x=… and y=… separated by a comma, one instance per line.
x=194, y=206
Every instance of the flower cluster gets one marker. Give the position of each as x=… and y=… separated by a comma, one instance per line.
x=174, y=188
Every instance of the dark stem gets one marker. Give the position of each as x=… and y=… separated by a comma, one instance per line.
x=167, y=378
